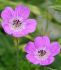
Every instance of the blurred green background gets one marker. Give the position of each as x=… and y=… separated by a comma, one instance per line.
x=48, y=15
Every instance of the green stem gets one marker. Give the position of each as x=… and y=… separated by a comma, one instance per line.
x=16, y=41
x=17, y=53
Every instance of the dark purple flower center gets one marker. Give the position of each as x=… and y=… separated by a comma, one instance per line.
x=41, y=52
x=16, y=23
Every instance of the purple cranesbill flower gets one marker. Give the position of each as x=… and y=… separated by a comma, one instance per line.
x=16, y=22
x=41, y=51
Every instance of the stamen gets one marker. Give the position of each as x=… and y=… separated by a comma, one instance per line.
x=41, y=52
x=16, y=23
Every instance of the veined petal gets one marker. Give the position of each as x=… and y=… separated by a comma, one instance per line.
x=7, y=13
x=32, y=59
x=38, y=42
x=6, y=27
x=20, y=33
x=55, y=48
x=48, y=61
x=46, y=41
x=22, y=11
x=42, y=42
x=30, y=25
x=30, y=47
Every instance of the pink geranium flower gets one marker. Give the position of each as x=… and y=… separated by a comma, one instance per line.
x=16, y=22
x=41, y=51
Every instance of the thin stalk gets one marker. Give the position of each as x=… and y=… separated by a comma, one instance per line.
x=17, y=54
x=16, y=42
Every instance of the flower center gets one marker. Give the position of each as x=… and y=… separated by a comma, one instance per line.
x=41, y=52
x=16, y=23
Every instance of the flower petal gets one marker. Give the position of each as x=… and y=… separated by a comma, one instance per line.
x=30, y=47
x=38, y=42
x=20, y=33
x=48, y=61
x=6, y=28
x=42, y=41
x=55, y=48
x=32, y=59
x=22, y=11
x=30, y=25
x=7, y=13
x=46, y=41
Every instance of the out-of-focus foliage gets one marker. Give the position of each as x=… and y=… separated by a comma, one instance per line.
x=53, y=29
